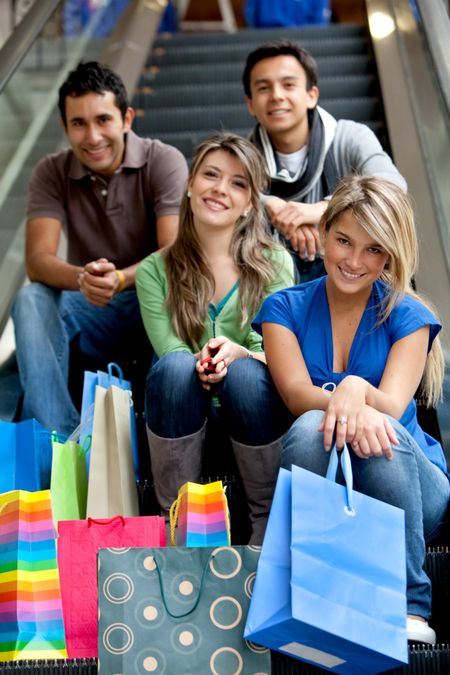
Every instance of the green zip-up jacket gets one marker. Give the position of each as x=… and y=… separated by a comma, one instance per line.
x=151, y=286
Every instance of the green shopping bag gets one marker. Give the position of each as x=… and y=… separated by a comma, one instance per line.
x=177, y=610
x=69, y=479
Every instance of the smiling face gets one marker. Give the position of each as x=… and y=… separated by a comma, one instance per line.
x=96, y=131
x=280, y=100
x=220, y=191
x=353, y=260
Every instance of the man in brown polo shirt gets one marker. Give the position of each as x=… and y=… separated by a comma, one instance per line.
x=116, y=196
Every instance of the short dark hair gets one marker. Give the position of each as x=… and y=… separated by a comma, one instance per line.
x=92, y=77
x=281, y=48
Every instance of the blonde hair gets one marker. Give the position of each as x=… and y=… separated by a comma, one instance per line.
x=190, y=280
x=386, y=213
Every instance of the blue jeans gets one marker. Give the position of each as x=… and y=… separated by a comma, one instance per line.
x=45, y=321
x=177, y=405
x=410, y=481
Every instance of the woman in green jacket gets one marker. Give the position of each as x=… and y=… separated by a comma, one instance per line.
x=197, y=300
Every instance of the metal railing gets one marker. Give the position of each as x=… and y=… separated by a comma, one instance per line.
x=19, y=42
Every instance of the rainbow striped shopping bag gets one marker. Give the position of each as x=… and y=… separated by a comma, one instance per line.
x=31, y=618
x=201, y=512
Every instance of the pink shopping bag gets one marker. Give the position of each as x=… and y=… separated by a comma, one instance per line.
x=78, y=544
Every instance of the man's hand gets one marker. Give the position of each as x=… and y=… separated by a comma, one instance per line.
x=306, y=241
x=297, y=223
x=99, y=282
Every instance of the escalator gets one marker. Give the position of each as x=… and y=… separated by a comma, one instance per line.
x=189, y=86
x=192, y=83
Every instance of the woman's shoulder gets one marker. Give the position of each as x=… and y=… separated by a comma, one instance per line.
x=409, y=314
x=412, y=307
x=291, y=306
x=299, y=295
x=279, y=257
x=277, y=253
x=151, y=265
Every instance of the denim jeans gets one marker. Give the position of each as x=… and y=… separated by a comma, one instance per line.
x=409, y=481
x=45, y=321
x=177, y=405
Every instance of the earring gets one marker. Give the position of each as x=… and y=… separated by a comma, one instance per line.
x=245, y=214
x=189, y=194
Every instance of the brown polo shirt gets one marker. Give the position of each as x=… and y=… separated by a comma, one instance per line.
x=113, y=219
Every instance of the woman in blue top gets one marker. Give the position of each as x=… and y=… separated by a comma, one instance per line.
x=347, y=353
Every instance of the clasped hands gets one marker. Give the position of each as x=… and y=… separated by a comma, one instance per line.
x=99, y=282
x=368, y=431
x=222, y=352
x=297, y=223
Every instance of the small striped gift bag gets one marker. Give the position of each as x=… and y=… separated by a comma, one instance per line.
x=201, y=512
x=31, y=618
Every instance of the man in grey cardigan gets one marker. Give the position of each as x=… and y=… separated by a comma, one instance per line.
x=307, y=151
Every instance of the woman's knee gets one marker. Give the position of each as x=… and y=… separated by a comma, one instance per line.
x=245, y=381
x=171, y=374
x=174, y=395
x=303, y=444
x=251, y=405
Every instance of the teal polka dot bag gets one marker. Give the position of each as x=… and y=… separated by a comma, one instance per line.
x=177, y=611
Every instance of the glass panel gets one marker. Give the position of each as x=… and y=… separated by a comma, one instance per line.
x=435, y=132
x=29, y=121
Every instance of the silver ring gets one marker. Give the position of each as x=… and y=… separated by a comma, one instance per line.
x=343, y=420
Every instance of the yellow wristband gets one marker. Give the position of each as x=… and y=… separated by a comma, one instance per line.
x=121, y=277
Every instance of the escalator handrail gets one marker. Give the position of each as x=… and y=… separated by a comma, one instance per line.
x=436, y=24
x=22, y=38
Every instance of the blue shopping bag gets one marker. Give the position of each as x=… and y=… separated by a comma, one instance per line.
x=25, y=456
x=114, y=376
x=331, y=580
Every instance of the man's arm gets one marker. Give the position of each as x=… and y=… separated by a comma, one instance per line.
x=297, y=222
x=166, y=230
x=357, y=150
x=41, y=259
x=97, y=280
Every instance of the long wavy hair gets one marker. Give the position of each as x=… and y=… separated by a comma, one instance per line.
x=386, y=213
x=190, y=280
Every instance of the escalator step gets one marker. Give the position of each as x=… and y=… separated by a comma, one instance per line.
x=232, y=72
x=238, y=52
x=252, y=37
x=218, y=93
x=422, y=661
x=437, y=566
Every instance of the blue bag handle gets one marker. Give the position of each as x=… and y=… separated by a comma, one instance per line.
x=115, y=366
x=195, y=605
x=343, y=457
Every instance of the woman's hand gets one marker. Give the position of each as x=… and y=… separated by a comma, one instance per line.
x=222, y=352
x=373, y=437
x=345, y=403
x=354, y=422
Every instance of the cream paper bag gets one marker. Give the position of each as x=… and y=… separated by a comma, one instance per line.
x=111, y=487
